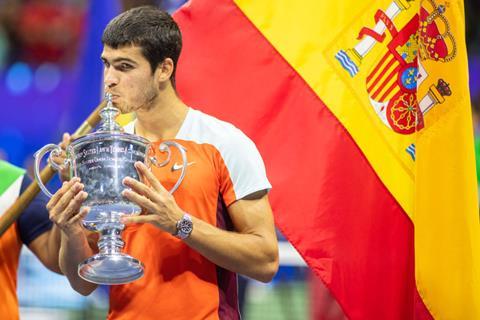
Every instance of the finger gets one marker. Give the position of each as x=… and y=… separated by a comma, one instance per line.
x=56, y=196
x=60, y=192
x=68, y=196
x=74, y=206
x=81, y=214
x=138, y=219
x=140, y=188
x=59, y=159
x=141, y=175
x=139, y=199
x=145, y=172
x=65, y=140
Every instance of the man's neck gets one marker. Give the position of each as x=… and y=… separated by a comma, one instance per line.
x=164, y=119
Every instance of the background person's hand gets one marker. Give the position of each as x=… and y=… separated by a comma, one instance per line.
x=64, y=172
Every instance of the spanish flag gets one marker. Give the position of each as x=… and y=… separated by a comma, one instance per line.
x=361, y=111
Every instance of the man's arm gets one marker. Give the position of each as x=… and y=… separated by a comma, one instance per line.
x=64, y=208
x=250, y=250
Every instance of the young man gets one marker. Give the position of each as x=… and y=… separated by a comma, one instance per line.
x=33, y=228
x=190, y=273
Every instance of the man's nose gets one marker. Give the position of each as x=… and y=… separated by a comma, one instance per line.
x=110, y=79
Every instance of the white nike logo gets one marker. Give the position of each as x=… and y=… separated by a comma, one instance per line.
x=177, y=166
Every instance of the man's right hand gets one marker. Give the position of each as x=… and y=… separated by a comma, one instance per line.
x=65, y=207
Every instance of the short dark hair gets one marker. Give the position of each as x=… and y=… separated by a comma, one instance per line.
x=150, y=28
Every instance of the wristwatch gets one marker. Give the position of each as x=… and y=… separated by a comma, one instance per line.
x=184, y=227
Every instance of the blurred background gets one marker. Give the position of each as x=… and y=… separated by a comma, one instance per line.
x=49, y=49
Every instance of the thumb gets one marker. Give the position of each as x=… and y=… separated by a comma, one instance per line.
x=65, y=140
x=66, y=137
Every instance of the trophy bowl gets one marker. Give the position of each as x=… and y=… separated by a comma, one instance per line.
x=102, y=160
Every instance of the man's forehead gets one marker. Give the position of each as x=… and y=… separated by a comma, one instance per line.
x=129, y=52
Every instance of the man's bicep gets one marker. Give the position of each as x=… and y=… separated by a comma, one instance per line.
x=252, y=216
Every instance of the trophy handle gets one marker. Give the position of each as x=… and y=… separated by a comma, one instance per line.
x=54, y=151
x=165, y=147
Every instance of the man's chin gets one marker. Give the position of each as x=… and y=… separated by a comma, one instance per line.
x=123, y=109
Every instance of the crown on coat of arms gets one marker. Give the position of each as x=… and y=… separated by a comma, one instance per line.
x=435, y=39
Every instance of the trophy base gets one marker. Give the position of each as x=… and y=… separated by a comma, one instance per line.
x=117, y=268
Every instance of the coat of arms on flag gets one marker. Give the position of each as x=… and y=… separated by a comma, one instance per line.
x=392, y=83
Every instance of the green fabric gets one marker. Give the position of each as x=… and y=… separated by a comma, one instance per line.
x=8, y=175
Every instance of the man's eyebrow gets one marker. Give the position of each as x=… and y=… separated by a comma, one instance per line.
x=120, y=59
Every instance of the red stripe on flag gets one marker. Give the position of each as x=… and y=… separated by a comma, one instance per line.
x=375, y=70
x=385, y=82
x=381, y=73
x=385, y=95
x=327, y=199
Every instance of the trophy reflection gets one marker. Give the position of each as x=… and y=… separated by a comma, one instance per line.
x=102, y=160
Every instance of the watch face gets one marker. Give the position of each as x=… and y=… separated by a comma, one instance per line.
x=185, y=227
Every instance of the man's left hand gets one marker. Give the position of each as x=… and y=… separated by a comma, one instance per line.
x=161, y=209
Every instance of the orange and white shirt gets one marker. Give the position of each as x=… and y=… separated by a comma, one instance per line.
x=224, y=165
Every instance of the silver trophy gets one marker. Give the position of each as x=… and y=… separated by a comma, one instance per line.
x=102, y=160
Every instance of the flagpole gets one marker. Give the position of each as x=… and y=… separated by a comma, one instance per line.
x=12, y=214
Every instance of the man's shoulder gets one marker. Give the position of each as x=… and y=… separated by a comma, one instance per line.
x=209, y=129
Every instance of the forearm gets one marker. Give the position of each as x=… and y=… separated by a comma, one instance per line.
x=74, y=250
x=249, y=254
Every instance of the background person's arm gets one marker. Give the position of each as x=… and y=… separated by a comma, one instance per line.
x=46, y=247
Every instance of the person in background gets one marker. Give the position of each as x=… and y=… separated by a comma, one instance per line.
x=33, y=228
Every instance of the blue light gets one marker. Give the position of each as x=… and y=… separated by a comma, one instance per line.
x=19, y=78
x=47, y=77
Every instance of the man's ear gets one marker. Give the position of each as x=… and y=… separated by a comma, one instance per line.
x=165, y=70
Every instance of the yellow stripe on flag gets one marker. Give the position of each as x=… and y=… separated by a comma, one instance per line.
x=447, y=235
x=438, y=189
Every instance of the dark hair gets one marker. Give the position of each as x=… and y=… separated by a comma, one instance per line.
x=150, y=28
